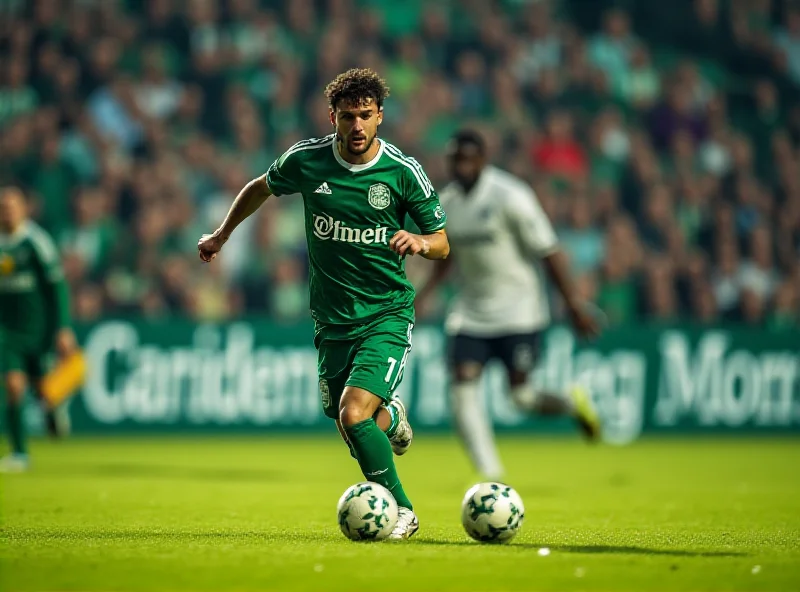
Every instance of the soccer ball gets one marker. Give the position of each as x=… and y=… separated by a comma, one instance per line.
x=492, y=512
x=367, y=512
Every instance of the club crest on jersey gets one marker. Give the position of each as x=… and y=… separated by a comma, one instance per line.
x=379, y=196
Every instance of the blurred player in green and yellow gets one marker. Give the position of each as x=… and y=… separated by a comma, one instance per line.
x=34, y=321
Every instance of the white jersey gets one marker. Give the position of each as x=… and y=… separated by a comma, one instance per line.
x=498, y=232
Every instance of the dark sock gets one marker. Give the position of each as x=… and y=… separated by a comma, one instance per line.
x=375, y=457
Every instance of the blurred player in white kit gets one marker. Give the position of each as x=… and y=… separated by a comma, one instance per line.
x=500, y=236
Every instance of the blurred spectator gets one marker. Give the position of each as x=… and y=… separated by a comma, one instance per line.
x=541, y=48
x=726, y=284
x=757, y=273
x=612, y=49
x=657, y=218
x=115, y=114
x=787, y=42
x=786, y=313
x=676, y=114
x=156, y=95
x=559, y=153
x=751, y=307
x=472, y=96
x=91, y=236
x=436, y=36
x=618, y=291
x=660, y=296
x=640, y=85
x=583, y=242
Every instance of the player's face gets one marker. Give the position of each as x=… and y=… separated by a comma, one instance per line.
x=12, y=209
x=466, y=164
x=357, y=125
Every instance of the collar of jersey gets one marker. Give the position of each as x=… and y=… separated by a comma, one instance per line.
x=13, y=239
x=357, y=167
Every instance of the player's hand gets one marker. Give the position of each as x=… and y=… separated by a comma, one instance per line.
x=585, y=323
x=404, y=243
x=65, y=342
x=209, y=245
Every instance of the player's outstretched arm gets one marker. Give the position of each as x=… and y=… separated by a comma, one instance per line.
x=429, y=246
x=538, y=239
x=558, y=270
x=254, y=194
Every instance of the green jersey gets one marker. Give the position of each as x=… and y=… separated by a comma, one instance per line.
x=33, y=294
x=351, y=213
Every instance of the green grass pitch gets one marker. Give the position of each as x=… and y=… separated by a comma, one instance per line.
x=259, y=514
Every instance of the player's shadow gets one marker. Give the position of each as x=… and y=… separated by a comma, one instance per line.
x=183, y=473
x=598, y=549
x=632, y=550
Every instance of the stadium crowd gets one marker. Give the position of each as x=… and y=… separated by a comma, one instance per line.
x=665, y=147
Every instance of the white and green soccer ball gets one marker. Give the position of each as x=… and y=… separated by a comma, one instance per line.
x=367, y=512
x=492, y=512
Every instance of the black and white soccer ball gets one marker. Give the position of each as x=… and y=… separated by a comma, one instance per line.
x=367, y=512
x=492, y=512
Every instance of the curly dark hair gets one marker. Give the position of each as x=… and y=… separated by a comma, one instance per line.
x=356, y=87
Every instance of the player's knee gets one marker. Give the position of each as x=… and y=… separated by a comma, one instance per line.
x=355, y=406
x=467, y=371
x=15, y=385
x=350, y=414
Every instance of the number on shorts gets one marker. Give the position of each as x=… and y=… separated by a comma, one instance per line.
x=392, y=364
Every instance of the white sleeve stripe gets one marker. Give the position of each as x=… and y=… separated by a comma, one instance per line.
x=415, y=166
x=300, y=146
x=426, y=188
x=312, y=141
x=409, y=159
x=44, y=246
x=422, y=173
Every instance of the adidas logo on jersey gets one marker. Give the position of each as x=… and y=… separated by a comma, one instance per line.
x=324, y=189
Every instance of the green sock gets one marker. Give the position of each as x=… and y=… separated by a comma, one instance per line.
x=16, y=429
x=376, y=459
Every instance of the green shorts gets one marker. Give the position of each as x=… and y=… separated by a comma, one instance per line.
x=374, y=360
x=24, y=353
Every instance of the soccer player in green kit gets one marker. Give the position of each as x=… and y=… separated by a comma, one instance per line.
x=34, y=317
x=357, y=190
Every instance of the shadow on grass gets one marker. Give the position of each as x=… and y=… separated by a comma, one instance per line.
x=171, y=472
x=597, y=549
x=304, y=537
x=116, y=536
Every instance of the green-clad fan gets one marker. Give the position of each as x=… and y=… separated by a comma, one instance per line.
x=357, y=190
x=34, y=317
